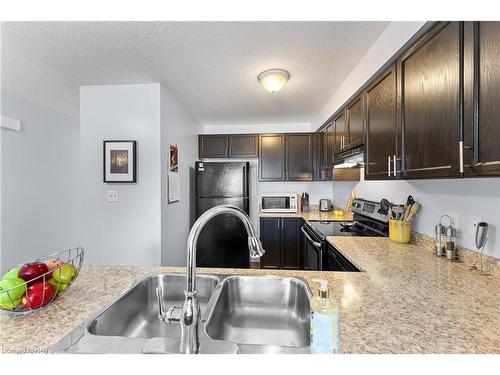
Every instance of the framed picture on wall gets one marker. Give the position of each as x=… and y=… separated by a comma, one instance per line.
x=174, y=158
x=120, y=161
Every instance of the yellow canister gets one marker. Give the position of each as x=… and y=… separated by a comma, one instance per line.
x=399, y=230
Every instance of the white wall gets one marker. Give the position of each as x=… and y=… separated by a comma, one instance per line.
x=257, y=128
x=128, y=231
x=465, y=197
x=40, y=166
x=388, y=43
x=179, y=127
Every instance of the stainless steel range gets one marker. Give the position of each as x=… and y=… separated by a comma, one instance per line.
x=368, y=220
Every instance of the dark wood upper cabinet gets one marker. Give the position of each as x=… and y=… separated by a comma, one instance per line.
x=429, y=104
x=380, y=119
x=355, y=126
x=322, y=168
x=271, y=157
x=299, y=157
x=212, y=146
x=270, y=236
x=482, y=98
x=339, y=128
x=243, y=146
x=329, y=144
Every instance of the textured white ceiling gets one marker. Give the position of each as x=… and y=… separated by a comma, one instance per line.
x=211, y=67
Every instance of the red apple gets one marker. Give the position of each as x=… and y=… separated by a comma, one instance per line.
x=30, y=271
x=37, y=294
x=54, y=263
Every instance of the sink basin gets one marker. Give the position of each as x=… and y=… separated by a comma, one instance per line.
x=271, y=311
x=135, y=313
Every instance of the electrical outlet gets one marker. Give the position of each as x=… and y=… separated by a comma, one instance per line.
x=113, y=196
x=473, y=221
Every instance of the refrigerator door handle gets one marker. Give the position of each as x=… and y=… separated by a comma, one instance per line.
x=245, y=192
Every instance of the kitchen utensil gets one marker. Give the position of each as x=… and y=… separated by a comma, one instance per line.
x=415, y=207
x=70, y=260
x=385, y=206
x=481, y=238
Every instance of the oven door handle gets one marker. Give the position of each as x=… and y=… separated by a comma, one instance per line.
x=314, y=243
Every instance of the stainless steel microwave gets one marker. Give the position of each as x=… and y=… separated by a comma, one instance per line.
x=279, y=202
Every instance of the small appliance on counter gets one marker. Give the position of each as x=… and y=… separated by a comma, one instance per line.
x=304, y=202
x=325, y=205
x=279, y=202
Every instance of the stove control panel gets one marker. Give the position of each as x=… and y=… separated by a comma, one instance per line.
x=369, y=209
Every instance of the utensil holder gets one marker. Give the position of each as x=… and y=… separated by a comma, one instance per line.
x=399, y=230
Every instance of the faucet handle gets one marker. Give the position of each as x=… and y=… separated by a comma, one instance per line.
x=173, y=314
x=161, y=307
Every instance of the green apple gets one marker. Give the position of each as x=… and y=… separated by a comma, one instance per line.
x=11, y=291
x=12, y=274
x=9, y=305
x=58, y=286
x=64, y=274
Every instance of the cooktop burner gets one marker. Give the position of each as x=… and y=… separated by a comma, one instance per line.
x=338, y=228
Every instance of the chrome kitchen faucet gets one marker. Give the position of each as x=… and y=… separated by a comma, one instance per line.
x=190, y=315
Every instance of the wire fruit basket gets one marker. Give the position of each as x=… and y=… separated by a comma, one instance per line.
x=32, y=286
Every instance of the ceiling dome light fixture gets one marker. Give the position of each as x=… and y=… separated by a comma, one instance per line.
x=273, y=80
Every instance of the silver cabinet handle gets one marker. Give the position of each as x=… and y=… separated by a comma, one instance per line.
x=315, y=244
x=395, y=167
x=388, y=166
x=461, y=155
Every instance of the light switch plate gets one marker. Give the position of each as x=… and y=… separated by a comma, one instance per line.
x=113, y=196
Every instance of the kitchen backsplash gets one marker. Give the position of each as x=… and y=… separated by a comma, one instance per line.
x=461, y=197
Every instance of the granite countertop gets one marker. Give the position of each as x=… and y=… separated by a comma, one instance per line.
x=313, y=214
x=406, y=301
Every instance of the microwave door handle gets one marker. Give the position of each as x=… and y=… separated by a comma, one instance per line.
x=314, y=243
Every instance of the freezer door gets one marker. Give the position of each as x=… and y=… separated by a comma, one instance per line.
x=221, y=179
x=223, y=242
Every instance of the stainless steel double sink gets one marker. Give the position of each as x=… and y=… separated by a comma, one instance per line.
x=240, y=314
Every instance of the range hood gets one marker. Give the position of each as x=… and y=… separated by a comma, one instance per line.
x=350, y=159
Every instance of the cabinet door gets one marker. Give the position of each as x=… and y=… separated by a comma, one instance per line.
x=429, y=105
x=329, y=144
x=321, y=169
x=291, y=243
x=243, y=146
x=271, y=157
x=299, y=157
x=340, y=133
x=212, y=146
x=354, y=113
x=482, y=124
x=380, y=117
x=270, y=236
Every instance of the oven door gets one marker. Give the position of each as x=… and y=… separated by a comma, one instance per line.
x=313, y=252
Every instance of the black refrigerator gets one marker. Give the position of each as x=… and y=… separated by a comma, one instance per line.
x=223, y=242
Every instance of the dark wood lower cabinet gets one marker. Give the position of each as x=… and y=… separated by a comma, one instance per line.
x=282, y=241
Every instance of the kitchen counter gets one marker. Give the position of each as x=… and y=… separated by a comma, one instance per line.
x=313, y=214
x=406, y=301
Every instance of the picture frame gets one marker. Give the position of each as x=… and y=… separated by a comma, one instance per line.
x=174, y=158
x=119, y=161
